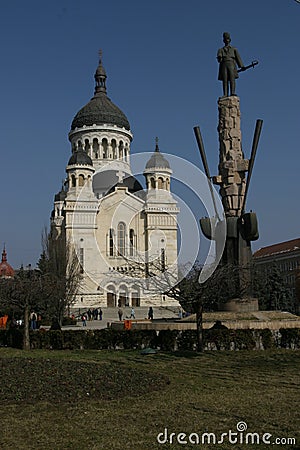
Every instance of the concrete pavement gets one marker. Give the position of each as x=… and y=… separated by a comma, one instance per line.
x=111, y=315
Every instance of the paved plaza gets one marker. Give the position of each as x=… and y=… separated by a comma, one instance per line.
x=111, y=315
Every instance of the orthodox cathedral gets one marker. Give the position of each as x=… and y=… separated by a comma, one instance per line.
x=124, y=235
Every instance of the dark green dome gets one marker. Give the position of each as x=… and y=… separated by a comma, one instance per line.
x=80, y=158
x=100, y=109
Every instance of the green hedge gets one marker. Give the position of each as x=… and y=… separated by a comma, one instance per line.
x=93, y=339
x=166, y=340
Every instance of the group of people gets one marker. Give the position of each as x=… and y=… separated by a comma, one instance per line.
x=97, y=313
x=121, y=313
x=92, y=314
x=132, y=313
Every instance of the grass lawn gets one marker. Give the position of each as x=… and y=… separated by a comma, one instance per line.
x=123, y=400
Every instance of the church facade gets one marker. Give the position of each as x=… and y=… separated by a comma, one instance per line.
x=125, y=236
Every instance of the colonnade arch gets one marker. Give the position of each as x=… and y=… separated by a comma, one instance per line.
x=103, y=148
x=122, y=295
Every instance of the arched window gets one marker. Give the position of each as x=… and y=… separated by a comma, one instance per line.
x=135, y=297
x=123, y=296
x=114, y=147
x=111, y=242
x=131, y=240
x=126, y=152
x=73, y=181
x=81, y=259
x=152, y=183
x=121, y=150
x=160, y=183
x=105, y=148
x=81, y=180
x=95, y=147
x=163, y=259
x=121, y=238
x=111, y=296
x=87, y=146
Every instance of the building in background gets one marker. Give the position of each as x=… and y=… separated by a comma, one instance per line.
x=116, y=226
x=6, y=271
x=286, y=257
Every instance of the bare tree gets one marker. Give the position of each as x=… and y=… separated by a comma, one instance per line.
x=155, y=277
x=23, y=294
x=59, y=264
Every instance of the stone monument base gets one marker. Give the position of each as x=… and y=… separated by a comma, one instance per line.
x=248, y=304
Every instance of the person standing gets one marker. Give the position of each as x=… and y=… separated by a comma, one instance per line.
x=120, y=313
x=132, y=313
x=33, y=319
x=100, y=314
x=150, y=313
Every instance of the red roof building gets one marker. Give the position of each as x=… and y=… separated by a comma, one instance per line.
x=6, y=271
x=280, y=250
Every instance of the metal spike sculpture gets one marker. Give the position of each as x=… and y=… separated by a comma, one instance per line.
x=242, y=227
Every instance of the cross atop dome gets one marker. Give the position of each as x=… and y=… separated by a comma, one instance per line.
x=100, y=76
x=4, y=256
x=100, y=109
x=156, y=145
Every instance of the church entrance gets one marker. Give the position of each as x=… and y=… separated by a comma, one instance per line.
x=111, y=300
x=122, y=300
x=135, y=299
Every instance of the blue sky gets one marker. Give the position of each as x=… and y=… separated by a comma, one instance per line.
x=160, y=58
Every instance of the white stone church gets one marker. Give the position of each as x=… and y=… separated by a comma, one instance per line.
x=124, y=235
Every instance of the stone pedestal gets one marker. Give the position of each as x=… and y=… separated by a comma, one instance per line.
x=232, y=164
x=232, y=181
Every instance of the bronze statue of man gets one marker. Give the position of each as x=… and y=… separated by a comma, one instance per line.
x=229, y=59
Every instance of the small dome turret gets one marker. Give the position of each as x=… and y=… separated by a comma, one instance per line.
x=80, y=158
x=158, y=171
x=157, y=160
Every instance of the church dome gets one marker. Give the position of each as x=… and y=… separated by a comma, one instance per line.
x=105, y=182
x=80, y=158
x=6, y=270
x=157, y=160
x=100, y=109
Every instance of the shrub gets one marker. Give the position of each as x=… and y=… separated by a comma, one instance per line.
x=167, y=340
x=267, y=338
x=220, y=339
x=187, y=340
x=244, y=339
x=290, y=337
